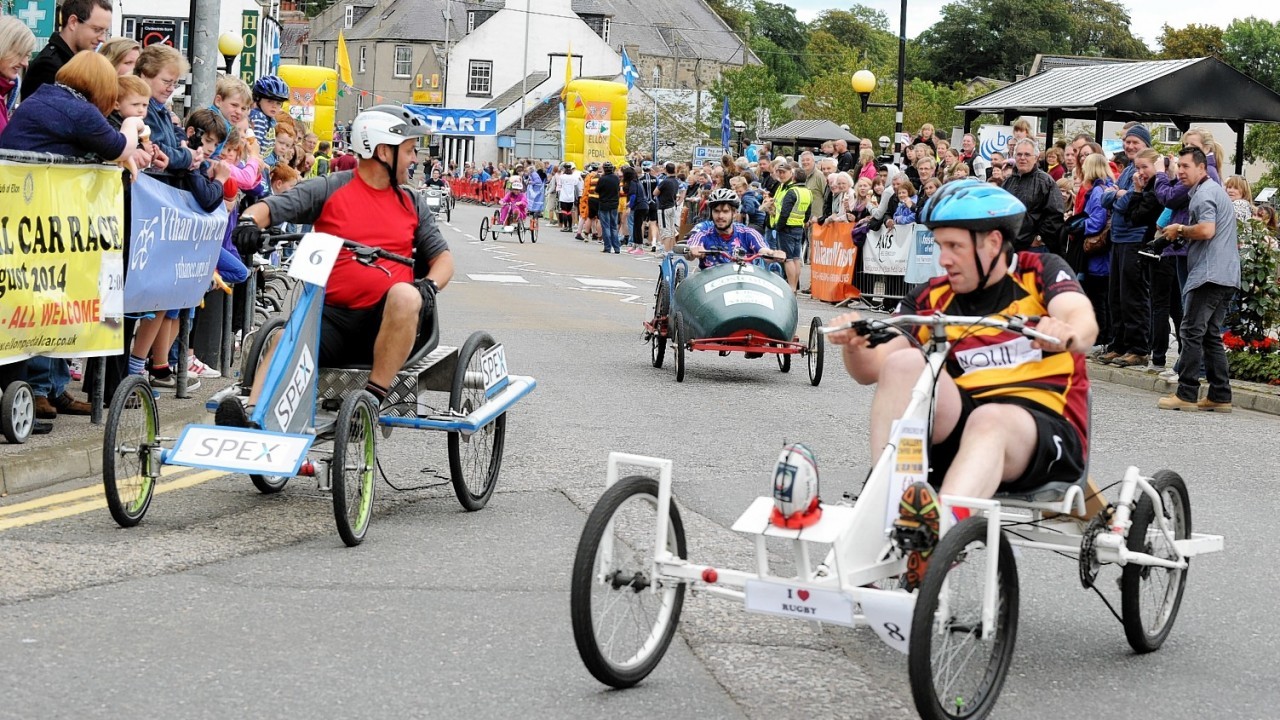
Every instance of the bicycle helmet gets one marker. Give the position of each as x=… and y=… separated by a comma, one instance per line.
x=517, y=184
x=607, y=167
x=795, y=488
x=723, y=196
x=270, y=87
x=975, y=206
x=385, y=125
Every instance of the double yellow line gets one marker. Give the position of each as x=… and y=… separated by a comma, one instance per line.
x=89, y=499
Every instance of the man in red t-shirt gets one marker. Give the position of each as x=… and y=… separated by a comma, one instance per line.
x=372, y=312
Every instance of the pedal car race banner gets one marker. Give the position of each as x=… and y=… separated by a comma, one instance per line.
x=886, y=252
x=834, y=255
x=61, y=261
x=173, y=250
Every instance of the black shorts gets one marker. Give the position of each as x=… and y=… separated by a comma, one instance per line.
x=593, y=208
x=652, y=214
x=347, y=336
x=1058, y=456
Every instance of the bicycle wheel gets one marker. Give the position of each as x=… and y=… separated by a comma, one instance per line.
x=658, y=341
x=475, y=459
x=128, y=478
x=520, y=232
x=623, y=616
x=353, y=465
x=266, y=484
x=784, y=362
x=954, y=672
x=678, y=339
x=17, y=412
x=1150, y=596
x=816, y=352
x=533, y=233
x=680, y=272
x=484, y=228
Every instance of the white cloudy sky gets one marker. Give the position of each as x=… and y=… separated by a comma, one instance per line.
x=1147, y=15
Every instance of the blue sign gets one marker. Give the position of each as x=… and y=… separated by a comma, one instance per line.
x=444, y=121
x=38, y=15
x=173, y=248
x=923, y=261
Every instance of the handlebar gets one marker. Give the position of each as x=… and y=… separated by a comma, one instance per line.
x=366, y=254
x=878, y=328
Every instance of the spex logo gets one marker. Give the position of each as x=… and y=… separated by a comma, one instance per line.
x=296, y=389
x=243, y=449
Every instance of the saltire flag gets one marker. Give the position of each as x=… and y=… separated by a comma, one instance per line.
x=629, y=71
x=344, y=60
x=725, y=124
x=274, y=60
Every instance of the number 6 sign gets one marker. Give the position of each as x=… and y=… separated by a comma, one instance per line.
x=314, y=258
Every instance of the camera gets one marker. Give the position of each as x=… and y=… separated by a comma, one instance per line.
x=1154, y=248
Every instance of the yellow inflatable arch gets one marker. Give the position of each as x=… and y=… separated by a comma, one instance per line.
x=313, y=96
x=595, y=122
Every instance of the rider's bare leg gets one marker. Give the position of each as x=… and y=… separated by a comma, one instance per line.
x=898, y=375
x=397, y=333
x=792, y=268
x=997, y=446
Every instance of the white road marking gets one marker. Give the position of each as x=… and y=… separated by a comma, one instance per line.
x=498, y=278
x=601, y=283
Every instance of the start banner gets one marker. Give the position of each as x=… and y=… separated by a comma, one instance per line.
x=173, y=250
x=61, y=261
x=833, y=258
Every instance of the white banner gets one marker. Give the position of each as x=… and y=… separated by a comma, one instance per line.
x=886, y=253
x=994, y=138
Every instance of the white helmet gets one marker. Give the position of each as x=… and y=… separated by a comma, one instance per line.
x=384, y=125
x=795, y=488
x=517, y=184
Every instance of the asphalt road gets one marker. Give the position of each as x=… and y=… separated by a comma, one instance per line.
x=228, y=603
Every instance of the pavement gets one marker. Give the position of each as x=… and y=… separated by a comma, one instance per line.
x=74, y=448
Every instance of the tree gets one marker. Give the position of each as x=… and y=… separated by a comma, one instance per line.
x=1253, y=47
x=735, y=13
x=862, y=30
x=1101, y=28
x=749, y=88
x=994, y=38
x=1192, y=41
x=1263, y=143
x=779, y=39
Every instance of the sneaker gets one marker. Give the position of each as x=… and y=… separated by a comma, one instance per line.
x=916, y=530
x=76, y=369
x=1169, y=375
x=1208, y=405
x=1173, y=402
x=197, y=368
x=1130, y=360
x=231, y=413
x=165, y=383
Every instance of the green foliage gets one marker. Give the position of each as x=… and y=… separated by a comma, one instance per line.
x=735, y=13
x=862, y=31
x=779, y=39
x=1192, y=41
x=1101, y=28
x=1263, y=143
x=831, y=96
x=1259, y=274
x=749, y=88
x=1253, y=47
x=1254, y=367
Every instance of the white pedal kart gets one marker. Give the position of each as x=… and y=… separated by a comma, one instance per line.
x=632, y=572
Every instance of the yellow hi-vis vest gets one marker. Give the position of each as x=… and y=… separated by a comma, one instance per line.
x=803, y=199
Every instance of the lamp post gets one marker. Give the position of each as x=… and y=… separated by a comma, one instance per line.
x=229, y=46
x=864, y=81
x=740, y=127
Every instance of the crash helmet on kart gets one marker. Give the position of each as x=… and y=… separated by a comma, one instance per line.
x=975, y=206
x=795, y=488
x=723, y=196
x=517, y=184
x=384, y=125
x=270, y=87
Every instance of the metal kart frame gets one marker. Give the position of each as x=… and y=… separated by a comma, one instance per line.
x=860, y=556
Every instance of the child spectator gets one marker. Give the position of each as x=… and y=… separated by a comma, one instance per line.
x=906, y=213
x=269, y=94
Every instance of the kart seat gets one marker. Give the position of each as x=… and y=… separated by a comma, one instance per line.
x=1062, y=497
x=413, y=378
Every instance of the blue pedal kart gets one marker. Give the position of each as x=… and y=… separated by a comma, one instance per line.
x=321, y=422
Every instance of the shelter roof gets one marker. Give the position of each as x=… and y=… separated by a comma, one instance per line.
x=809, y=131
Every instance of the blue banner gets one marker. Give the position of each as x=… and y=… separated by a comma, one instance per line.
x=173, y=248
x=457, y=122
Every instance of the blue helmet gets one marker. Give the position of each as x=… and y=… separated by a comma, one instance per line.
x=975, y=206
x=270, y=87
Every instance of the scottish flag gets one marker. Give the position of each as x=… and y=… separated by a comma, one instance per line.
x=725, y=125
x=629, y=71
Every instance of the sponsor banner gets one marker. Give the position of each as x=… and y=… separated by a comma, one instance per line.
x=447, y=121
x=886, y=253
x=994, y=138
x=173, y=248
x=61, y=261
x=833, y=258
x=596, y=131
x=922, y=263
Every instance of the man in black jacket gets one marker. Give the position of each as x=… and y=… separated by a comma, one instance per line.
x=1042, y=225
x=85, y=23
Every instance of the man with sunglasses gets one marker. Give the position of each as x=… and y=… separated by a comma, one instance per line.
x=85, y=24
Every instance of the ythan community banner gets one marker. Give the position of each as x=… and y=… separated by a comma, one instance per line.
x=174, y=249
x=61, y=261
x=834, y=255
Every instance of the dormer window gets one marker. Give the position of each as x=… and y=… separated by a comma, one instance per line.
x=348, y=17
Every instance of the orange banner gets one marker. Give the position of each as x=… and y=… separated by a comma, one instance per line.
x=833, y=257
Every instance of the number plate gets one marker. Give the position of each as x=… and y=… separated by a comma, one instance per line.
x=800, y=603
x=240, y=450
x=493, y=363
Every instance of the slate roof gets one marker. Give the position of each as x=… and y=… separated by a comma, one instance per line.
x=1044, y=63
x=513, y=93
x=413, y=20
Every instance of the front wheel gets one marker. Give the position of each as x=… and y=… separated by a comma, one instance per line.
x=475, y=459
x=17, y=412
x=128, y=475
x=1149, y=595
x=484, y=228
x=533, y=233
x=817, y=351
x=520, y=233
x=954, y=672
x=678, y=339
x=353, y=465
x=623, y=615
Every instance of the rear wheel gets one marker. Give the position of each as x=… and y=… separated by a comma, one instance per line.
x=954, y=672
x=520, y=232
x=623, y=616
x=658, y=340
x=678, y=338
x=128, y=478
x=17, y=412
x=354, y=461
x=533, y=233
x=1150, y=596
x=784, y=362
x=263, y=338
x=484, y=228
x=816, y=352
x=475, y=459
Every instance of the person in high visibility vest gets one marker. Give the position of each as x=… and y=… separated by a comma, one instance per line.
x=789, y=213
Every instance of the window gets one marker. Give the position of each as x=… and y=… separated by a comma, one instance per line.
x=348, y=17
x=480, y=78
x=471, y=22
x=320, y=55
x=1172, y=134
x=607, y=23
x=404, y=61
x=359, y=102
x=184, y=35
x=128, y=28
x=362, y=49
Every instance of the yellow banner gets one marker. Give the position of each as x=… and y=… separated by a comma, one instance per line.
x=61, y=261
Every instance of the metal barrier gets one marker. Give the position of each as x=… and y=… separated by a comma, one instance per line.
x=487, y=192
x=880, y=290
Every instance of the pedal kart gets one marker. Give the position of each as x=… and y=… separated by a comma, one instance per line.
x=321, y=422
x=439, y=201
x=740, y=306
x=492, y=228
x=18, y=407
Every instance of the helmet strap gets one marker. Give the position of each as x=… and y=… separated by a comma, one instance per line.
x=984, y=275
x=392, y=175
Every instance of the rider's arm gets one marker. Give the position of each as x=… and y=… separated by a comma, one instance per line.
x=863, y=363
x=1070, y=315
x=441, y=269
x=431, y=256
x=301, y=205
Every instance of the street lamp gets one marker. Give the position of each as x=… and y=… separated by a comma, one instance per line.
x=740, y=127
x=864, y=81
x=230, y=45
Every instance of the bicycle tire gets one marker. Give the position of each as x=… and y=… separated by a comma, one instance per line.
x=1133, y=578
x=472, y=470
x=128, y=480
x=352, y=473
x=816, y=352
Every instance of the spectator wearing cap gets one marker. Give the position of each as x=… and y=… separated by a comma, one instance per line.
x=1130, y=290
